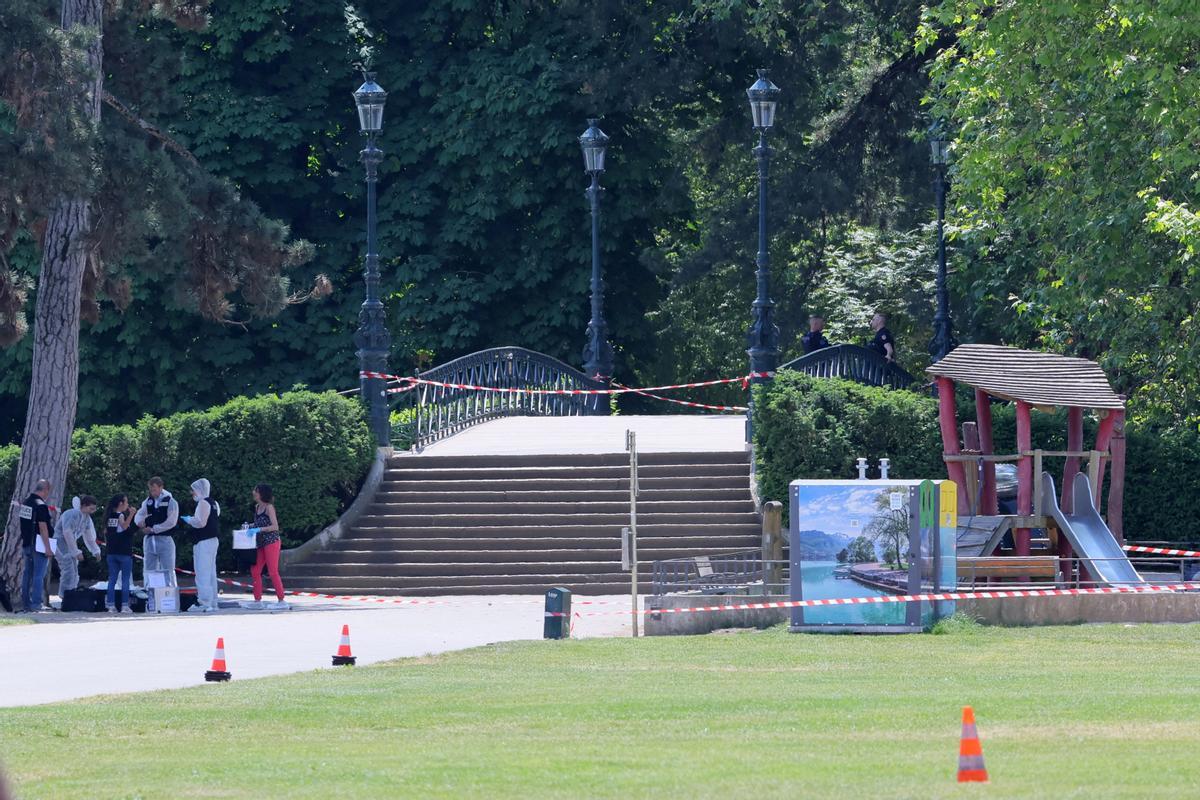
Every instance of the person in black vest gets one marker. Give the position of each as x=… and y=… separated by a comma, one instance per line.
x=815, y=339
x=883, y=343
x=35, y=530
x=118, y=542
x=157, y=517
x=204, y=546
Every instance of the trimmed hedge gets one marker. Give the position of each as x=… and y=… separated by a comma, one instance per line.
x=808, y=427
x=815, y=427
x=314, y=450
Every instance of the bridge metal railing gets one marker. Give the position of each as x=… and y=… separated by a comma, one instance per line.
x=851, y=362
x=429, y=413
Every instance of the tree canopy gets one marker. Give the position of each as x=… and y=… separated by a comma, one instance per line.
x=1076, y=169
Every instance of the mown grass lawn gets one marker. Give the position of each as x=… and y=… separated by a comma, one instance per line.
x=1088, y=712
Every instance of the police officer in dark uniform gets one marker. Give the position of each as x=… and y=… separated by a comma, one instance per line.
x=35, y=530
x=815, y=339
x=883, y=343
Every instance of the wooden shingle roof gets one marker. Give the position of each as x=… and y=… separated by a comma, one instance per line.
x=1041, y=379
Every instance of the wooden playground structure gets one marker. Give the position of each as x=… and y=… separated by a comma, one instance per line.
x=1032, y=381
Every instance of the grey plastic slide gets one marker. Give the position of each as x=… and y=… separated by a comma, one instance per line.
x=1088, y=534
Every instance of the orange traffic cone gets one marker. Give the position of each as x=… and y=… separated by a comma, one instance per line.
x=218, y=671
x=970, y=752
x=343, y=657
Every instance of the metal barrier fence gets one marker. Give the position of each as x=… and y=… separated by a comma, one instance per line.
x=719, y=574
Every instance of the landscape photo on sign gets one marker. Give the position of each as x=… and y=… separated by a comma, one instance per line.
x=840, y=526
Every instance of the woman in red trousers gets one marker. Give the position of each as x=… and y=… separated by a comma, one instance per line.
x=266, y=527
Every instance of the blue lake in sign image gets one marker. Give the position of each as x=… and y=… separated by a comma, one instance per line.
x=818, y=583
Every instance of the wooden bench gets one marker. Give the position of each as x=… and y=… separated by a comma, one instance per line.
x=1024, y=568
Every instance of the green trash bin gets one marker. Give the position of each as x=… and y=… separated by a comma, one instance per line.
x=558, y=614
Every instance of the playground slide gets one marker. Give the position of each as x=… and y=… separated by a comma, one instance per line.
x=1088, y=534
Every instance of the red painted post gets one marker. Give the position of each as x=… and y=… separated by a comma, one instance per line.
x=983, y=416
x=1024, y=475
x=1116, y=486
x=1071, y=468
x=1103, y=440
x=948, y=421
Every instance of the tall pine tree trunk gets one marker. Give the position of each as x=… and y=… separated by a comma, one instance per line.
x=54, y=386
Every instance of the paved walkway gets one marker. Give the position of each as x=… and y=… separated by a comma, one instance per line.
x=66, y=656
x=655, y=434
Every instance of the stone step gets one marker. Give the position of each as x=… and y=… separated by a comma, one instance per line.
x=535, y=531
x=502, y=524
x=563, y=471
x=611, y=554
x=357, y=548
x=470, y=494
x=501, y=519
x=408, y=461
x=450, y=569
x=565, y=484
x=563, y=507
x=458, y=584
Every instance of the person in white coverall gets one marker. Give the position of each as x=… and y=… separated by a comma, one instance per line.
x=71, y=526
x=205, y=529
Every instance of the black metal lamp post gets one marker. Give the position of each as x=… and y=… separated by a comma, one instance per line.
x=763, y=336
x=597, y=351
x=943, y=328
x=372, y=338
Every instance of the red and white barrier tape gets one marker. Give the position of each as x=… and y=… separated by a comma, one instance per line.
x=906, y=598
x=1162, y=551
x=745, y=381
x=688, y=403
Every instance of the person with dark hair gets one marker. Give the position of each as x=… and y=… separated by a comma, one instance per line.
x=118, y=541
x=75, y=523
x=815, y=339
x=157, y=517
x=36, y=530
x=883, y=343
x=266, y=534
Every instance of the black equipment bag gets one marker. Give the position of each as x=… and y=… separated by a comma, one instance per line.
x=83, y=600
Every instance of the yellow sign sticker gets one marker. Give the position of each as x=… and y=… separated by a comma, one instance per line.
x=948, y=505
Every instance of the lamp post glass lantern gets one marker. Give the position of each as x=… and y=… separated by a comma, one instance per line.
x=597, y=351
x=372, y=338
x=763, y=336
x=943, y=327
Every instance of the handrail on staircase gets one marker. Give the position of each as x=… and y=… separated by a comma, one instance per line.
x=435, y=412
x=851, y=362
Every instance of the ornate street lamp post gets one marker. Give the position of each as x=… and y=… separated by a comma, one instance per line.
x=763, y=336
x=943, y=328
x=597, y=351
x=372, y=338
